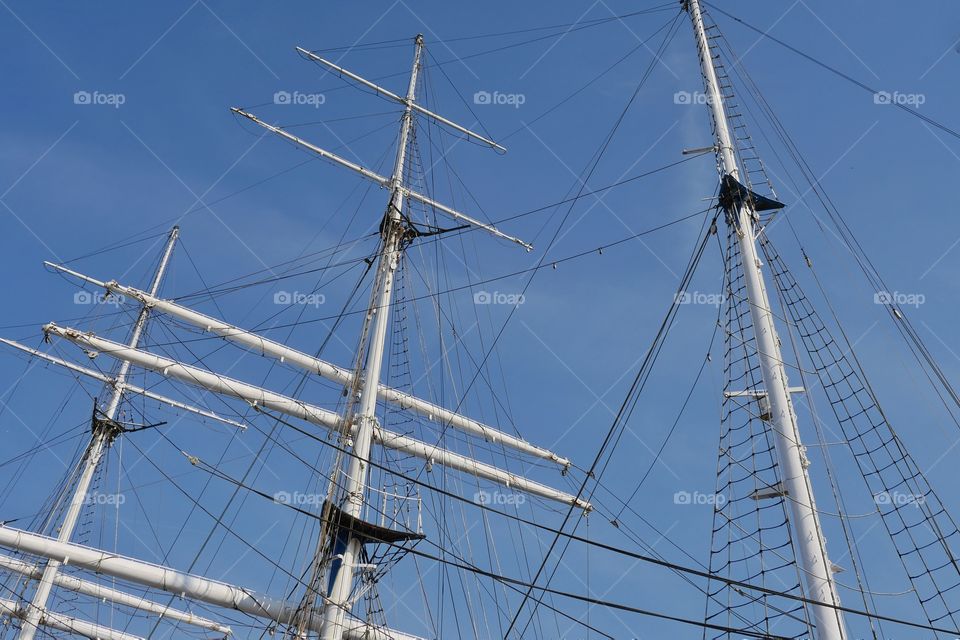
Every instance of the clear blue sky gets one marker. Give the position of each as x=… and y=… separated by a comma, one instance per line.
x=78, y=177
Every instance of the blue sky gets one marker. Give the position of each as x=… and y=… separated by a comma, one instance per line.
x=78, y=177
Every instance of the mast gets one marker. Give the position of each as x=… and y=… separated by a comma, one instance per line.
x=338, y=598
x=326, y=608
x=815, y=564
x=105, y=429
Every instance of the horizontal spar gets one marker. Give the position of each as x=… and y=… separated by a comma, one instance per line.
x=332, y=372
x=200, y=377
x=400, y=99
x=127, y=387
x=323, y=153
x=67, y=624
x=101, y=592
x=452, y=460
x=185, y=585
x=383, y=181
x=286, y=405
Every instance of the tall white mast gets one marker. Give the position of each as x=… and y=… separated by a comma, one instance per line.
x=338, y=599
x=811, y=546
x=103, y=433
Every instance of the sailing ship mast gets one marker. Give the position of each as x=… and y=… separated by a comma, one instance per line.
x=394, y=234
x=340, y=550
x=105, y=429
x=740, y=207
x=323, y=602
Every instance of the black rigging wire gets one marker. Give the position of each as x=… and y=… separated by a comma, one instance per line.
x=585, y=24
x=618, y=425
x=133, y=239
x=673, y=427
x=908, y=332
x=402, y=42
x=668, y=37
x=821, y=64
x=907, y=109
x=598, y=250
x=222, y=289
x=539, y=525
x=461, y=564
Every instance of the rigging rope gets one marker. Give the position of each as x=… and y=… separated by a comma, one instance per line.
x=751, y=538
x=617, y=550
x=925, y=536
x=765, y=33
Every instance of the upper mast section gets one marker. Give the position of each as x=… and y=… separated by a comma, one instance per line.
x=741, y=205
x=413, y=105
x=384, y=181
x=725, y=149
